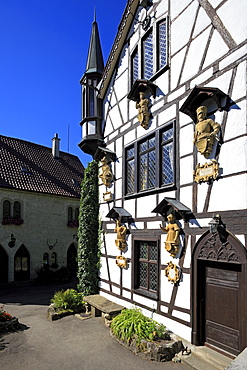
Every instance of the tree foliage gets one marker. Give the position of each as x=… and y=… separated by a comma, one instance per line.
x=88, y=232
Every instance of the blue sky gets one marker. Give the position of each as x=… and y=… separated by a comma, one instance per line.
x=43, y=51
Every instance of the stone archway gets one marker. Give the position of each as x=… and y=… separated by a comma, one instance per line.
x=22, y=264
x=4, y=265
x=72, y=260
x=219, y=293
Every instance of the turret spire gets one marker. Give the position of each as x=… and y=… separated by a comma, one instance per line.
x=95, y=62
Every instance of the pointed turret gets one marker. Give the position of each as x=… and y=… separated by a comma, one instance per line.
x=95, y=61
x=91, y=105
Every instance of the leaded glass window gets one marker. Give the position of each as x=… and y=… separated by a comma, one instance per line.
x=147, y=256
x=162, y=57
x=150, y=162
x=6, y=209
x=130, y=161
x=167, y=156
x=148, y=57
x=135, y=66
x=17, y=210
x=147, y=157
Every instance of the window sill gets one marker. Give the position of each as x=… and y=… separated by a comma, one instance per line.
x=150, y=192
x=158, y=73
x=147, y=294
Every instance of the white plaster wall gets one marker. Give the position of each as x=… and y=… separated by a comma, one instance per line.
x=145, y=206
x=166, y=287
x=222, y=82
x=194, y=56
x=167, y=115
x=183, y=292
x=239, y=88
x=176, y=94
x=217, y=48
x=177, y=328
x=176, y=66
x=177, y=6
x=230, y=154
x=129, y=205
x=145, y=301
x=221, y=200
x=199, y=80
x=233, y=57
x=236, y=122
x=186, y=170
x=123, y=64
x=186, y=196
x=126, y=276
x=121, y=85
x=202, y=193
x=115, y=117
x=186, y=140
x=114, y=269
x=187, y=258
x=129, y=137
x=181, y=27
x=202, y=22
x=231, y=14
x=118, y=189
x=162, y=8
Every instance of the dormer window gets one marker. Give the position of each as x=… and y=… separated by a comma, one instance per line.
x=148, y=56
x=152, y=51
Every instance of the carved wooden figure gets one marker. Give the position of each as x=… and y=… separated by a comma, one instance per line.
x=106, y=175
x=143, y=113
x=172, y=241
x=206, y=131
x=121, y=231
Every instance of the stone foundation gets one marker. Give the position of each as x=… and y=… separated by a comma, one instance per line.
x=160, y=350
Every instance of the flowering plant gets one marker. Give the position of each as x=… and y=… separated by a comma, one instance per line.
x=4, y=316
x=73, y=223
x=12, y=221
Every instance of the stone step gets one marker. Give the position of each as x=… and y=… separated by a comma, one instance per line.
x=203, y=358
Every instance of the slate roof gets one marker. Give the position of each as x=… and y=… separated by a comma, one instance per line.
x=31, y=167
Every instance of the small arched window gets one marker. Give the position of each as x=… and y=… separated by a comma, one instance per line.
x=54, y=260
x=17, y=210
x=45, y=259
x=76, y=214
x=6, y=209
x=70, y=214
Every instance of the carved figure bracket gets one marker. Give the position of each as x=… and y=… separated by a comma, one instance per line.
x=173, y=273
x=206, y=172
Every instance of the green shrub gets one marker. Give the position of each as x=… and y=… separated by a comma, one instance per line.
x=132, y=324
x=68, y=300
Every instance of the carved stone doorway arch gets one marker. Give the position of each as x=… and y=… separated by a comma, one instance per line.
x=22, y=264
x=219, y=295
x=72, y=260
x=4, y=265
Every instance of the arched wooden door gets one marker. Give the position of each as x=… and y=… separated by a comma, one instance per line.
x=72, y=260
x=22, y=264
x=219, y=294
x=4, y=264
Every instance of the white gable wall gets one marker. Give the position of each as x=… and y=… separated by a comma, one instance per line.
x=198, y=55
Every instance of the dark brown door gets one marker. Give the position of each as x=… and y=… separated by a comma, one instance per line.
x=22, y=264
x=219, y=296
x=4, y=263
x=222, y=298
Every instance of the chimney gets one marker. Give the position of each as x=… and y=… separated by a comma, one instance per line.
x=55, y=146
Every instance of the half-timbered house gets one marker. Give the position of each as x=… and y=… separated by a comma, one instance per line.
x=166, y=119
